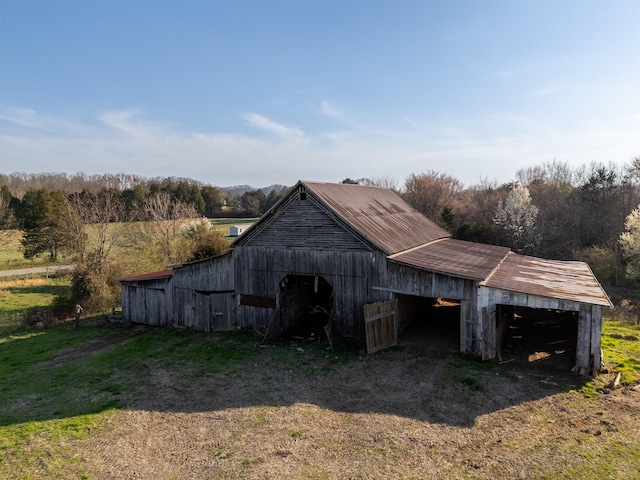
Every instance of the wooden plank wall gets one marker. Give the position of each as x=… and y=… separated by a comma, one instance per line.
x=588, y=349
x=204, y=296
x=259, y=271
x=304, y=224
x=413, y=281
x=147, y=302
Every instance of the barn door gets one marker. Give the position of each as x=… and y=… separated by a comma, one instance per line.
x=381, y=326
x=221, y=309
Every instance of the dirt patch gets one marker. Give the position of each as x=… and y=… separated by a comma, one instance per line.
x=395, y=414
x=93, y=348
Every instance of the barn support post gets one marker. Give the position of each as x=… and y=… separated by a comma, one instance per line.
x=488, y=315
x=470, y=320
x=588, y=353
x=596, y=338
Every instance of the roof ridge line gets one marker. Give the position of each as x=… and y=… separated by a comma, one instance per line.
x=416, y=247
x=495, y=269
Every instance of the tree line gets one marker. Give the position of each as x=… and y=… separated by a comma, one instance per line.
x=208, y=200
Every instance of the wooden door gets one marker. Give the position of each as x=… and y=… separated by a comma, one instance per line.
x=381, y=326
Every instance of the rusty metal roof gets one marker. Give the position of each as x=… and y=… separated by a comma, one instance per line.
x=379, y=214
x=548, y=278
x=149, y=276
x=458, y=258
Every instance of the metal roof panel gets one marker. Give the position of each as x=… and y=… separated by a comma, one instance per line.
x=548, y=278
x=149, y=276
x=379, y=214
x=459, y=258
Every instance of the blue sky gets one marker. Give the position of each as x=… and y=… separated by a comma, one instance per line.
x=273, y=91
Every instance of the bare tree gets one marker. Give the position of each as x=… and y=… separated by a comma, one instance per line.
x=430, y=193
x=164, y=222
x=98, y=225
x=382, y=182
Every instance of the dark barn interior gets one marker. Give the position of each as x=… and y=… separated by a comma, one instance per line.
x=542, y=337
x=306, y=306
x=431, y=324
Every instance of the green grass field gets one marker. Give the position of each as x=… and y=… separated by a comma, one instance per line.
x=11, y=255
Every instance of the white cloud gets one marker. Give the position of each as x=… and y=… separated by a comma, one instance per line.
x=327, y=108
x=491, y=146
x=263, y=123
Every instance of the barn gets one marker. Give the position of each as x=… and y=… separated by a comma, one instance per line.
x=358, y=262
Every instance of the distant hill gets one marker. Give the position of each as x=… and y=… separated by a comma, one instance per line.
x=240, y=189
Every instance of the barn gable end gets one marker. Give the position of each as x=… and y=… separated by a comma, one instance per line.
x=301, y=222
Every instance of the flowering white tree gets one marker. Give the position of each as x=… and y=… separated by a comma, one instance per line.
x=517, y=218
x=630, y=242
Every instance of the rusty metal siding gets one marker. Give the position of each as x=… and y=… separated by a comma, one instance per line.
x=379, y=214
x=572, y=281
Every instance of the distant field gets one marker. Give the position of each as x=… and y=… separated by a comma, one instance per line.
x=11, y=256
x=21, y=294
x=222, y=224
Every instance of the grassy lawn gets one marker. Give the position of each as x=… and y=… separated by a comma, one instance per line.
x=621, y=346
x=11, y=255
x=75, y=402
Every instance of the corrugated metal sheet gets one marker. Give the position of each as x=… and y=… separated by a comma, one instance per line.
x=548, y=278
x=457, y=258
x=149, y=276
x=379, y=214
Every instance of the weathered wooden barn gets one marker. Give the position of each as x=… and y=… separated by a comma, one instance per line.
x=356, y=261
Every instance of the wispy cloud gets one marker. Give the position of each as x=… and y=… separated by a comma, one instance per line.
x=489, y=146
x=24, y=117
x=32, y=121
x=265, y=124
x=546, y=90
x=327, y=108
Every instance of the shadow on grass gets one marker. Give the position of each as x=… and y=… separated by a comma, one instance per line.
x=64, y=372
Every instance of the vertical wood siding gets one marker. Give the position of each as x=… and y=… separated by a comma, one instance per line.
x=204, y=295
x=147, y=302
x=351, y=274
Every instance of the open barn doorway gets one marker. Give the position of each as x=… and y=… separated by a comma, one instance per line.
x=541, y=337
x=430, y=324
x=306, y=306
